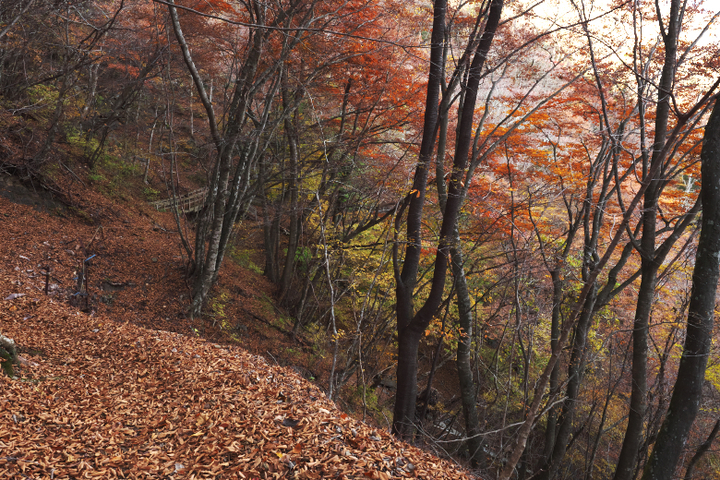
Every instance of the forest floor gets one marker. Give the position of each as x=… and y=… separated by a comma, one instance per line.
x=128, y=386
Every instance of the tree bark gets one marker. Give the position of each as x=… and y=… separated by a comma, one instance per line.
x=551, y=425
x=638, y=402
x=405, y=281
x=468, y=387
x=236, y=156
x=271, y=227
x=412, y=325
x=650, y=264
x=295, y=214
x=576, y=369
x=466, y=378
x=687, y=393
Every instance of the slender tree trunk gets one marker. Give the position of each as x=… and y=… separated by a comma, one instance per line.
x=295, y=215
x=92, y=88
x=638, y=400
x=633, y=435
x=408, y=334
x=39, y=158
x=270, y=229
x=614, y=378
x=687, y=393
x=409, y=325
x=551, y=426
x=575, y=375
x=468, y=387
x=227, y=185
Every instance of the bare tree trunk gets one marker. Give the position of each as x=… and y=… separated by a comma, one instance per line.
x=411, y=325
x=466, y=377
x=409, y=332
x=685, y=401
x=271, y=227
x=92, y=88
x=295, y=215
x=257, y=81
x=468, y=387
x=551, y=425
x=650, y=263
x=575, y=375
x=217, y=219
x=638, y=403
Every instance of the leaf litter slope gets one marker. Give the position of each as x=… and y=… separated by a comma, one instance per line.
x=109, y=399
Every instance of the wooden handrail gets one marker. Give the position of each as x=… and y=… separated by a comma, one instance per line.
x=188, y=203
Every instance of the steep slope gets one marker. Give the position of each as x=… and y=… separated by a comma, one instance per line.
x=108, y=397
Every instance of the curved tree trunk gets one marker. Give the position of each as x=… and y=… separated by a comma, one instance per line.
x=405, y=397
x=411, y=325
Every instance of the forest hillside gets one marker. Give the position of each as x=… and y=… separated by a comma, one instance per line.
x=110, y=392
x=489, y=228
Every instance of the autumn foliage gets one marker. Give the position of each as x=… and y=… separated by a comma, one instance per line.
x=475, y=225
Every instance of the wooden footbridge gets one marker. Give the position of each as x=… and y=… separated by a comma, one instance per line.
x=188, y=203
